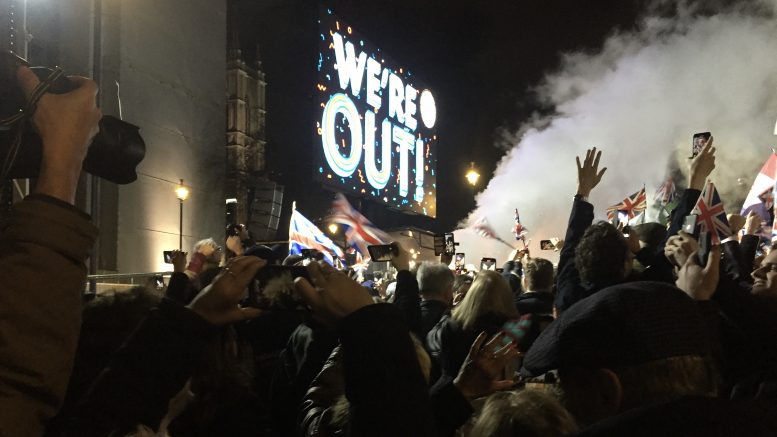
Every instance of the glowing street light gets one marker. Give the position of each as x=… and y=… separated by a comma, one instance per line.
x=333, y=228
x=182, y=193
x=472, y=175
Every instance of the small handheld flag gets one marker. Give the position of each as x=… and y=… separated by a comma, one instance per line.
x=711, y=215
x=631, y=206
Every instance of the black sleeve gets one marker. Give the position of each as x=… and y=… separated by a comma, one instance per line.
x=384, y=385
x=451, y=408
x=144, y=374
x=732, y=262
x=408, y=300
x=179, y=288
x=748, y=246
x=568, y=279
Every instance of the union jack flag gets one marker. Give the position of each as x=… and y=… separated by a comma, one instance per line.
x=665, y=193
x=359, y=231
x=711, y=215
x=632, y=205
x=519, y=230
x=303, y=234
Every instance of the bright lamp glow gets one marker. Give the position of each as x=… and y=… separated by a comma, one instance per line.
x=333, y=228
x=472, y=176
x=181, y=192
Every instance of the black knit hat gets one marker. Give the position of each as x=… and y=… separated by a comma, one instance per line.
x=621, y=326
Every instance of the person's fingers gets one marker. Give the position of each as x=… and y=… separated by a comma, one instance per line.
x=307, y=291
x=713, y=261
x=314, y=270
x=27, y=80
x=494, y=342
x=579, y=167
x=596, y=160
x=505, y=384
x=600, y=174
x=693, y=260
x=244, y=268
x=84, y=84
x=506, y=352
x=477, y=344
x=250, y=313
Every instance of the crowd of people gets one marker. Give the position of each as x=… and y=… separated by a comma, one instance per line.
x=632, y=333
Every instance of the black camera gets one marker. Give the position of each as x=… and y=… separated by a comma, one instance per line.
x=115, y=151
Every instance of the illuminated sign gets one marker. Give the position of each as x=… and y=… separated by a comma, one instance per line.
x=376, y=128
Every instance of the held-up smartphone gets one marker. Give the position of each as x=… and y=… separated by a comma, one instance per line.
x=689, y=225
x=488, y=264
x=699, y=139
x=168, y=256
x=458, y=261
x=382, y=252
x=450, y=243
x=273, y=288
x=546, y=245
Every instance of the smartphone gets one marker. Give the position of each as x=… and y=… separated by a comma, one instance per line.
x=689, y=224
x=699, y=139
x=705, y=244
x=273, y=288
x=382, y=252
x=547, y=245
x=168, y=256
x=458, y=261
x=450, y=243
x=488, y=264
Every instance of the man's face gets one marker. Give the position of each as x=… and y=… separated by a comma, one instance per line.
x=765, y=277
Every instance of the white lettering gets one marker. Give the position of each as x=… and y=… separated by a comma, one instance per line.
x=349, y=68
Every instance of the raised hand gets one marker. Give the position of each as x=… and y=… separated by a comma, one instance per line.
x=332, y=295
x=400, y=261
x=697, y=282
x=66, y=124
x=218, y=302
x=484, y=366
x=702, y=165
x=588, y=174
x=179, y=261
x=752, y=223
x=679, y=247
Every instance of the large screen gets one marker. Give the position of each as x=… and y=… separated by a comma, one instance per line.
x=376, y=129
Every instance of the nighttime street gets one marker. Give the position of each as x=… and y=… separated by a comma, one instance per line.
x=436, y=218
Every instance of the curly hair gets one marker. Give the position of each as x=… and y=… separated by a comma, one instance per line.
x=539, y=274
x=600, y=256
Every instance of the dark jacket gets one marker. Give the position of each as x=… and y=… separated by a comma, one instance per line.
x=384, y=385
x=534, y=302
x=45, y=242
x=431, y=313
x=151, y=367
x=308, y=349
x=691, y=417
x=455, y=341
x=408, y=300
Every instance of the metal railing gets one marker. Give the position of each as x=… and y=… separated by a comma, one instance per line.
x=122, y=281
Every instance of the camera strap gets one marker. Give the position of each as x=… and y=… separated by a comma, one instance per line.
x=22, y=117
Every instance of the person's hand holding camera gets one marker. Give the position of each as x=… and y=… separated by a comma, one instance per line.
x=679, y=247
x=752, y=223
x=588, y=174
x=332, y=295
x=178, y=259
x=401, y=258
x=218, y=302
x=701, y=166
x=66, y=124
x=700, y=282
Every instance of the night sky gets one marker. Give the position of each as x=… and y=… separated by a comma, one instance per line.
x=480, y=58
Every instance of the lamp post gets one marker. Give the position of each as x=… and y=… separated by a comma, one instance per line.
x=181, y=192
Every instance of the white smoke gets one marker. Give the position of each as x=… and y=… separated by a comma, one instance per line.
x=640, y=99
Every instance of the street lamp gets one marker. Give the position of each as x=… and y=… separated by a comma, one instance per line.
x=181, y=192
x=472, y=175
x=333, y=228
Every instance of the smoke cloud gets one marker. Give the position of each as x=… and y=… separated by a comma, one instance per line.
x=639, y=100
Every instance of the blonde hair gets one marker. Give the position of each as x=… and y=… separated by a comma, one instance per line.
x=489, y=294
x=526, y=413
